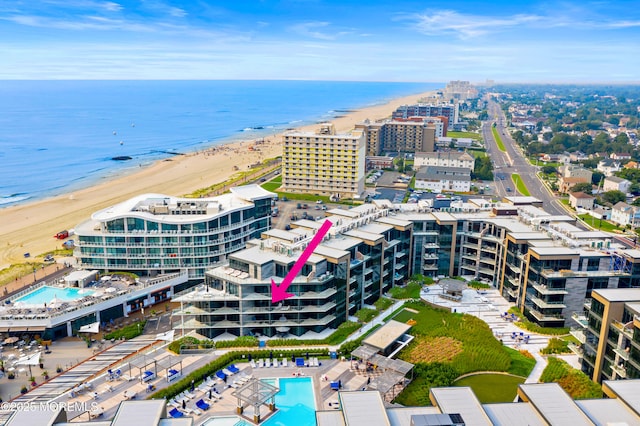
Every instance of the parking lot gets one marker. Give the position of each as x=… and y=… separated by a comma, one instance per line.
x=292, y=210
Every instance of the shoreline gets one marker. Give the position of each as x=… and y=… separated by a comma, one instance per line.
x=29, y=227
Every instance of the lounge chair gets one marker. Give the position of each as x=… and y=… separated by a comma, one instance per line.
x=261, y=363
x=227, y=372
x=267, y=362
x=233, y=369
x=202, y=405
x=148, y=375
x=175, y=413
x=253, y=364
x=299, y=362
x=220, y=375
x=335, y=386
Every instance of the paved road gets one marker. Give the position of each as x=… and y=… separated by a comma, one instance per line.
x=513, y=161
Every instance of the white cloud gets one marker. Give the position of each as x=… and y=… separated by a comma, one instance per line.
x=466, y=26
x=310, y=29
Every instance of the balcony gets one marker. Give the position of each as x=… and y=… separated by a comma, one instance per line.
x=620, y=371
x=580, y=319
x=431, y=245
x=546, y=305
x=430, y=266
x=622, y=353
x=576, y=349
x=539, y=316
x=578, y=333
x=430, y=256
x=626, y=329
x=544, y=290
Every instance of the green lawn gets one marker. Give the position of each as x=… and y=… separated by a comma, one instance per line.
x=410, y=291
x=599, y=224
x=481, y=351
x=491, y=388
x=498, y=139
x=520, y=186
x=475, y=153
x=471, y=135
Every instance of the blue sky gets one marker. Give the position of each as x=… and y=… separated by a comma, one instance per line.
x=508, y=41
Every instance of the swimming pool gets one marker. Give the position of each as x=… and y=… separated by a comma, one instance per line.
x=296, y=403
x=46, y=294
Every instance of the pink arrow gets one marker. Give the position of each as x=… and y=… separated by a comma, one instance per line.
x=279, y=293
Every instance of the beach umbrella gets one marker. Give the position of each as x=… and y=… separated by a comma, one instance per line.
x=10, y=340
x=90, y=328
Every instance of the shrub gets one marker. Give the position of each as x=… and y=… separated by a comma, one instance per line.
x=383, y=304
x=477, y=284
x=556, y=346
x=238, y=342
x=574, y=382
x=410, y=291
x=525, y=324
x=366, y=314
x=127, y=332
x=186, y=341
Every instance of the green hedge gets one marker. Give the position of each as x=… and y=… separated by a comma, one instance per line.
x=556, y=346
x=574, y=382
x=127, y=332
x=366, y=314
x=222, y=362
x=238, y=342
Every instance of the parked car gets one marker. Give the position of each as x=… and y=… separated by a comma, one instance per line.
x=49, y=258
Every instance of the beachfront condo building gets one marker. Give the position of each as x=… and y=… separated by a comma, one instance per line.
x=324, y=163
x=412, y=135
x=610, y=335
x=450, y=111
x=155, y=234
x=544, y=264
x=444, y=159
x=365, y=253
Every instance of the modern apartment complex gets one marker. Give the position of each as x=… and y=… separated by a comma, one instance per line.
x=324, y=163
x=415, y=135
x=158, y=234
x=610, y=335
x=363, y=255
x=544, y=264
x=450, y=111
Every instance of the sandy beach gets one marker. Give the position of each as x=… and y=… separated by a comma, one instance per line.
x=30, y=228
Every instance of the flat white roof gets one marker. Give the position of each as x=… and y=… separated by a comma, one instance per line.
x=363, y=408
x=80, y=275
x=402, y=416
x=627, y=390
x=620, y=295
x=252, y=192
x=329, y=418
x=139, y=412
x=387, y=334
x=463, y=401
x=608, y=412
x=513, y=414
x=554, y=404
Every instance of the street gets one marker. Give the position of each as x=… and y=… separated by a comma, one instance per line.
x=513, y=161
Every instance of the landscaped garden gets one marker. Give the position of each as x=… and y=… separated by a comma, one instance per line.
x=574, y=382
x=448, y=345
x=492, y=388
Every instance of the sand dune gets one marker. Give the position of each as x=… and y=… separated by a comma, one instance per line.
x=30, y=227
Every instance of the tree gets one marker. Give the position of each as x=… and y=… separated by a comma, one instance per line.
x=614, y=197
x=596, y=177
x=549, y=169
x=585, y=187
x=483, y=169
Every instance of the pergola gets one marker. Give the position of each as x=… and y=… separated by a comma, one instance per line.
x=255, y=393
x=142, y=363
x=167, y=363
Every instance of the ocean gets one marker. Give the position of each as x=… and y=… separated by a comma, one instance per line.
x=58, y=136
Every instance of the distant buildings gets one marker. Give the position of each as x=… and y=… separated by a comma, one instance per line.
x=444, y=159
x=614, y=183
x=450, y=111
x=608, y=166
x=460, y=90
x=324, y=163
x=399, y=136
x=623, y=214
x=439, y=178
x=581, y=200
